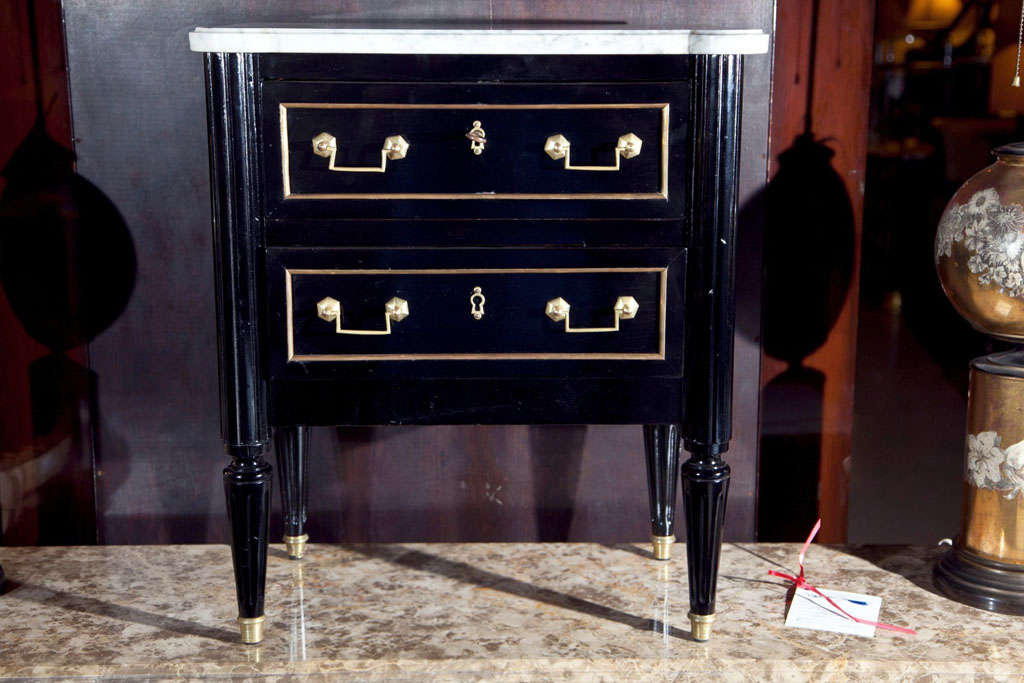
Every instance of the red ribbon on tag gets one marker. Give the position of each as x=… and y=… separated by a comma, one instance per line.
x=801, y=582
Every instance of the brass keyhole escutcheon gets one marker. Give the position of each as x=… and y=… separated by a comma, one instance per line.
x=477, y=138
x=476, y=303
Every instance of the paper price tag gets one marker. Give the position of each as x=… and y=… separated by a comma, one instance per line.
x=809, y=610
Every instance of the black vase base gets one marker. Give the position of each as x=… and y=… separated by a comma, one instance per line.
x=980, y=582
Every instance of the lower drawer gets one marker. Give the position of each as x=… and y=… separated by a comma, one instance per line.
x=341, y=306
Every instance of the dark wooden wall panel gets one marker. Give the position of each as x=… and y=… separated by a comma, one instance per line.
x=822, y=77
x=46, y=473
x=140, y=134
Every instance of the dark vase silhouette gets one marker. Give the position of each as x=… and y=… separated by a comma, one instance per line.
x=67, y=266
x=808, y=256
x=67, y=262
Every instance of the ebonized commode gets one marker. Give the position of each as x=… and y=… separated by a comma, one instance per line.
x=470, y=226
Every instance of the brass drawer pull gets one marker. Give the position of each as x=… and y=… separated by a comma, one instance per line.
x=395, y=309
x=326, y=145
x=625, y=309
x=557, y=147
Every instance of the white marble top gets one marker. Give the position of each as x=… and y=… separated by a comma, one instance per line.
x=615, y=40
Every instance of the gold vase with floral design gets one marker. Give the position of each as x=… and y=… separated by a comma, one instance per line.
x=979, y=255
x=979, y=247
x=993, y=510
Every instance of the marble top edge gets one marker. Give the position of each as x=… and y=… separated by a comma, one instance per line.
x=469, y=28
x=484, y=40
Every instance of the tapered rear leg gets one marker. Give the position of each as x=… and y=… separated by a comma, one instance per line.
x=291, y=445
x=661, y=445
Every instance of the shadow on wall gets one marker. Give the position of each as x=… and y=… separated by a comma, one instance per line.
x=808, y=266
x=67, y=266
x=808, y=257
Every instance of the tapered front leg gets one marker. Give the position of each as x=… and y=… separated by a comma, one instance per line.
x=290, y=445
x=705, y=489
x=237, y=249
x=661, y=444
x=247, y=489
x=710, y=320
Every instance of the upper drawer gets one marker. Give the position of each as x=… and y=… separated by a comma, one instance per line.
x=492, y=150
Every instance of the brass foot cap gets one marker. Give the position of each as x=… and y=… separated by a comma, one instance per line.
x=700, y=626
x=251, y=629
x=662, y=546
x=296, y=546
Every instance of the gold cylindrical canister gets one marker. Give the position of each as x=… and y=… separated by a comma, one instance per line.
x=993, y=509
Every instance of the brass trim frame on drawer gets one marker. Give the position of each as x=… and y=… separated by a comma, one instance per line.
x=292, y=357
x=286, y=183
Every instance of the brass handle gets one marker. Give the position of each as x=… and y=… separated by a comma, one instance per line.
x=395, y=309
x=625, y=309
x=326, y=145
x=557, y=147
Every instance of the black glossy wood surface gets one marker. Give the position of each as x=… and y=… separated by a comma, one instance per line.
x=979, y=581
x=291, y=445
x=247, y=482
x=707, y=365
x=514, y=320
x=705, y=491
x=557, y=69
x=661, y=447
x=711, y=275
x=329, y=231
x=439, y=158
x=476, y=400
x=669, y=365
x=238, y=242
x=133, y=81
x=440, y=321
x=440, y=165
x=237, y=258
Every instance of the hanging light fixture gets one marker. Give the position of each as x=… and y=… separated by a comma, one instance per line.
x=924, y=15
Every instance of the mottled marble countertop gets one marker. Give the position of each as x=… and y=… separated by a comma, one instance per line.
x=481, y=612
